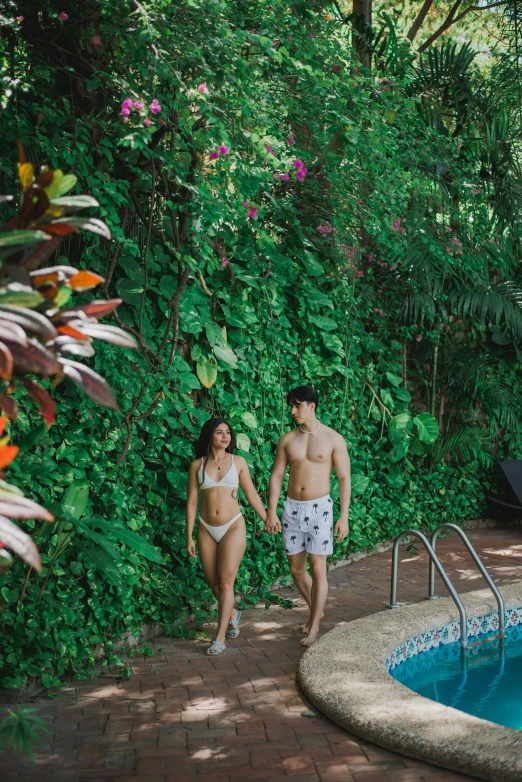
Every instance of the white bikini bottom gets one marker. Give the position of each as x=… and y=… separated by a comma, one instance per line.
x=219, y=532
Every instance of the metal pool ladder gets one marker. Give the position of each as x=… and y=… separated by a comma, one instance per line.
x=430, y=546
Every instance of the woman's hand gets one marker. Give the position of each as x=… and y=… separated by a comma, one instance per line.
x=191, y=548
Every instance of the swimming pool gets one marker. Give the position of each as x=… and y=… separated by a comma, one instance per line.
x=350, y=675
x=484, y=681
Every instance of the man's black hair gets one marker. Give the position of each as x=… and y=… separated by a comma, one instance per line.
x=302, y=394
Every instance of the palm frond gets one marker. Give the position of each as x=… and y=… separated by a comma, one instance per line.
x=470, y=442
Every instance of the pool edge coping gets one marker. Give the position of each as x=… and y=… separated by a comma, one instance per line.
x=344, y=675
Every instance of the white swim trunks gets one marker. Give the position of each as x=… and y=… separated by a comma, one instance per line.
x=308, y=525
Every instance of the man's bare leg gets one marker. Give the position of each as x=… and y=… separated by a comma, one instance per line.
x=302, y=581
x=319, y=595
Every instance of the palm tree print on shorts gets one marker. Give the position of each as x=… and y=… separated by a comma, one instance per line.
x=316, y=528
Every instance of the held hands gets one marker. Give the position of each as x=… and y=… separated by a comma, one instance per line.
x=191, y=548
x=341, y=530
x=272, y=524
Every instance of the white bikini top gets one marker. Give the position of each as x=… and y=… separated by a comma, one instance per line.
x=230, y=478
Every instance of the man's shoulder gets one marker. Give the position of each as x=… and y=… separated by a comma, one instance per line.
x=287, y=437
x=334, y=436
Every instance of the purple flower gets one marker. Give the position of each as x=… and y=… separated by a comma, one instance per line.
x=252, y=212
x=276, y=45
x=300, y=174
x=224, y=261
x=403, y=231
x=147, y=122
x=223, y=149
x=127, y=103
x=155, y=106
x=125, y=112
x=277, y=175
x=359, y=274
x=288, y=37
x=290, y=141
x=285, y=177
x=63, y=16
x=298, y=163
x=138, y=104
x=336, y=68
x=396, y=224
x=96, y=40
x=246, y=203
x=324, y=229
x=268, y=148
x=19, y=19
x=203, y=88
x=214, y=155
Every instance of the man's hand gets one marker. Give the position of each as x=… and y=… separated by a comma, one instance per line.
x=341, y=530
x=191, y=548
x=272, y=524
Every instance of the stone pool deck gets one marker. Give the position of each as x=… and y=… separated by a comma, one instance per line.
x=185, y=717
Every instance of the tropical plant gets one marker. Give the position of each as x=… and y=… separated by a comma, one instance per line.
x=37, y=330
x=20, y=730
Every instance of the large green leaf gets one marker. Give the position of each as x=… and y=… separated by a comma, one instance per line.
x=207, y=373
x=359, y=483
x=249, y=419
x=10, y=238
x=427, y=427
x=138, y=544
x=129, y=291
x=104, y=562
x=76, y=498
x=400, y=421
x=226, y=354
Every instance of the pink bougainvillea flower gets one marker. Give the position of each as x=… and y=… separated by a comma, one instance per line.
x=125, y=112
x=223, y=149
x=285, y=177
x=203, y=88
x=138, y=104
x=290, y=141
x=288, y=37
x=155, y=106
x=277, y=175
x=419, y=338
x=96, y=40
x=403, y=231
x=300, y=174
x=324, y=229
x=246, y=203
x=276, y=45
x=252, y=212
x=298, y=163
x=336, y=68
x=268, y=148
x=127, y=103
x=63, y=16
x=224, y=261
x=396, y=224
x=359, y=274
x=214, y=155
x=147, y=122
x=19, y=19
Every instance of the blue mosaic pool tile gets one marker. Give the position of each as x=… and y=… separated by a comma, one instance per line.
x=448, y=634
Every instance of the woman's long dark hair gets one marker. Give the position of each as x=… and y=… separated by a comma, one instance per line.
x=205, y=438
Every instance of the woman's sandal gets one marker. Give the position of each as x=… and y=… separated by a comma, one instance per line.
x=215, y=648
x=233, y=627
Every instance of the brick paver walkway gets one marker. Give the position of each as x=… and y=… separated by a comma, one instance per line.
x=185, y=717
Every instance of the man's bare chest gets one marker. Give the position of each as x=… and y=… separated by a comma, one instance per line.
x=317, y=451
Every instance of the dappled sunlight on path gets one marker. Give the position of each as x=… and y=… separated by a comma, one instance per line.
x=186, y=717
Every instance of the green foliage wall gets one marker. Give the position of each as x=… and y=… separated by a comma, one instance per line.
x=228, y=271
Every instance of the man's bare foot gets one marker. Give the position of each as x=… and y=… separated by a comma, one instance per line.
x=310, y=638
x=305, y=629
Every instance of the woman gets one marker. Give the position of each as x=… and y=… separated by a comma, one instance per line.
x=217, y=473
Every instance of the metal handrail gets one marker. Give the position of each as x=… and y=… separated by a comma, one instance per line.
x=442, y=573
x=478, y=563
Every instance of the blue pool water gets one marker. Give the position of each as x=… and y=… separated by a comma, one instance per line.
x=485, y=681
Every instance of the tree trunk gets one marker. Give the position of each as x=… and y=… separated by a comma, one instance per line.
x=362, y=11
x=417, y=24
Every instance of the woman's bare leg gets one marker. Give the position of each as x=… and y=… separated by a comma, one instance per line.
x=230, y=553
x=208, y=549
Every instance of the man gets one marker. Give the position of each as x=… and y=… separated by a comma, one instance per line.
x=312, y=451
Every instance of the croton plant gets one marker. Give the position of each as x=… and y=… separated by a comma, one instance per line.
x=40, y=328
